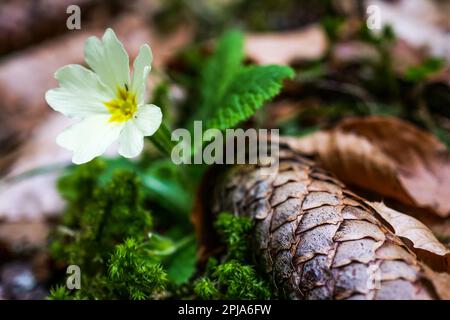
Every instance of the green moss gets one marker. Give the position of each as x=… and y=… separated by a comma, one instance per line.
x=240, y=281
x=134, y=273
x=61, y=293
x=235, y=277
x=234, y=232
x=104, y=232
x=205, y=288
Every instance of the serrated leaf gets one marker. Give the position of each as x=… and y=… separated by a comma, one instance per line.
x=250, y=88
x=231, y=92
x=220, y=69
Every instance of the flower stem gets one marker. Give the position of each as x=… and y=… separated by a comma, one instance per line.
x=161, y=139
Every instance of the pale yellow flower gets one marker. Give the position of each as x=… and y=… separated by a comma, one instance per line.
x=109, y=103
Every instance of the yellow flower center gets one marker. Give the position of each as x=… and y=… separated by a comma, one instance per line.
x=123, y=107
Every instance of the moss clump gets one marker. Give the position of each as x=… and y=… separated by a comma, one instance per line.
x=236, y=277
x=130, y=271
x=234, y=233
x=104, y=232
x=205, y=288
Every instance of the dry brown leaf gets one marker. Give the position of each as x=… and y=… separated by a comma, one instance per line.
x=286, y=47
x=440, y=281
x=24, y=234
x=427, y=246
x=388, y=156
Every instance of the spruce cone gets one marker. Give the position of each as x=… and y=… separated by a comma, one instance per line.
x=316, y=239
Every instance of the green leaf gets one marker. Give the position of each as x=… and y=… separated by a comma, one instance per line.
x=422, y=71
x=165, y=183
x=160, y=245
x=231, y=92
x=250, y=88
x=220, y=69
x=181, y=266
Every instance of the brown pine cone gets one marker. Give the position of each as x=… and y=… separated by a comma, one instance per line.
x=318, y=240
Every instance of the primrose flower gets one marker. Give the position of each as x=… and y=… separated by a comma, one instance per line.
x=110, y=103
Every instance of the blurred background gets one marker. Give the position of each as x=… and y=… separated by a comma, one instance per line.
x=343, y=69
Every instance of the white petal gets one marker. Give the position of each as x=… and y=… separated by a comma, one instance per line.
x=141, y=69
x=81, y=93
x=90, y=137
x=148, y=119
x=131, y=141
x=108, y=59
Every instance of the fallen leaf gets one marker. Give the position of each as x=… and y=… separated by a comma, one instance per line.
x=35, y=197
x=354, y=51
x=440, y=281
x=388, y=156
x=24, y=235
x=333, y=222
x=427, y=247
x=405, y=56
x=419, y=22
x=286, y=47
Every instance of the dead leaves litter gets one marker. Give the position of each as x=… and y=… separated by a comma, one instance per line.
x=425, y=244
x=287, y=47
x=387, y=156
